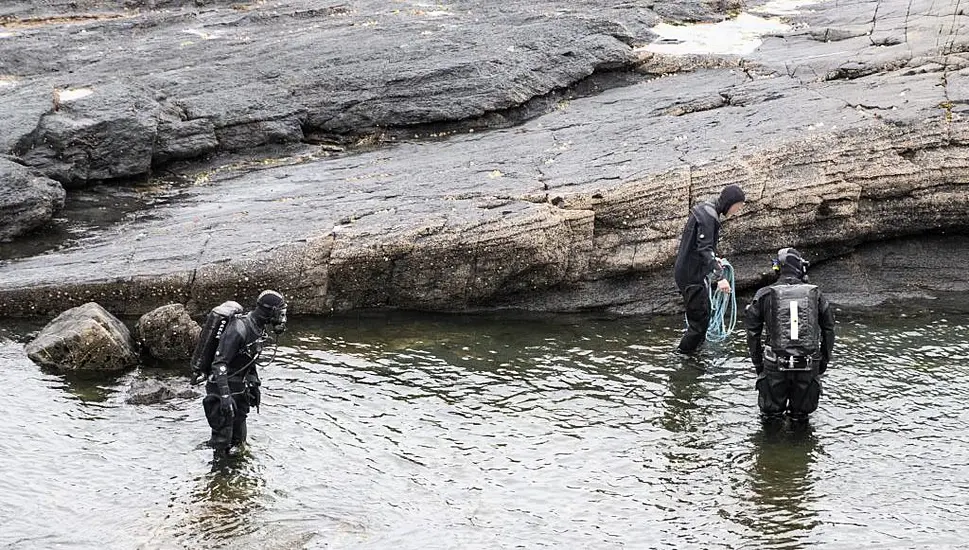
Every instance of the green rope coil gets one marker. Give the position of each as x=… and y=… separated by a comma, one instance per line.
x=723, y=308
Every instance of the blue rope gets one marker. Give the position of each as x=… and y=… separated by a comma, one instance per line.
x=720, y=306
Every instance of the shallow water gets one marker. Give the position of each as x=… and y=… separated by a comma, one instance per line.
x=740, y=34
x=93, y=213
x=451, y=432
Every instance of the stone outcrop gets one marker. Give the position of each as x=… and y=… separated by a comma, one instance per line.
x=86, y=337
x=150, y=82
x=27, y=201
x=850, y=128
x=168, y=334
x=909, y=275
x=94, y=136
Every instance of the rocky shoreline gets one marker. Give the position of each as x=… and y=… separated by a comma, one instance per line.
x=474, y=157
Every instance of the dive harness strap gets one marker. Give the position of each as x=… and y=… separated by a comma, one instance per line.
x=786, y=363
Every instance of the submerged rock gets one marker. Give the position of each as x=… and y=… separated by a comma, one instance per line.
x=150, y=391
x=86, y=337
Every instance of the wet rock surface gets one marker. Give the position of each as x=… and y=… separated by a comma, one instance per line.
x=151, y=391
x=168, y=334
x=849, y=128
x=27, y=201
x=167, y=82
x=910, y=274
x=84, y=338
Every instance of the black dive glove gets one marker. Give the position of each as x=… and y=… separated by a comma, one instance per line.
x=227, y=405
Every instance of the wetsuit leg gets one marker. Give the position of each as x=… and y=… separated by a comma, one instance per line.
x=220, y=424
x=772, y=392
x=239, y=430
x=805, y=394
x=222, y=428
x=697, y=300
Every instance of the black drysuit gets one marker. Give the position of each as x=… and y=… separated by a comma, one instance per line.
x=795, y=392
x=234, y=375
x=695, y=261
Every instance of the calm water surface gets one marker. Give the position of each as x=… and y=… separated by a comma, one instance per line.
x=449, y=432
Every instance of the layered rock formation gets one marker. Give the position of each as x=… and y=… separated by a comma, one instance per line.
x=847, y=128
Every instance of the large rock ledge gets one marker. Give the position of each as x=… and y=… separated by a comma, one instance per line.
x=838, y=143
x=150, y=82
x=468, y=251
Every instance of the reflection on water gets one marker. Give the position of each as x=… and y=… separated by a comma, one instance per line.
x=455, y=432
x=781, y=484
x=223, y=501
x=89, y=386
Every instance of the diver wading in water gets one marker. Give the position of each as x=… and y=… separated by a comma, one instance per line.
x=226, y=357
x=790, y=336
x=697, y=263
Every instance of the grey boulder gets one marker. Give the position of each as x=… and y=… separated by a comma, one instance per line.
x=168, y=333
x=27, y=201
x=84, y=338
x=149, y=391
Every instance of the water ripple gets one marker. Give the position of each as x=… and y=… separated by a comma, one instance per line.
x=465, y=433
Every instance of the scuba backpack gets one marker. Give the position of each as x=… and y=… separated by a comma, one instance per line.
x=794, y=330
x=215, y=324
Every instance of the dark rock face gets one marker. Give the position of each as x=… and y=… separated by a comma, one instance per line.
x=848, y=130
x=911, y=274
x=84, y=338
x=168, y=333
x=27, y=201
x=176, y=81
x=104, y=135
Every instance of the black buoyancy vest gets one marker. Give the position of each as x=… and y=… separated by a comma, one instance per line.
x=794, y=327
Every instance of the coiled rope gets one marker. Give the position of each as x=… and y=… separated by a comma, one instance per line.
x=723, y=308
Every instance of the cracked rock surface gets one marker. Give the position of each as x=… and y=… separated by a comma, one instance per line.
x=848, y=132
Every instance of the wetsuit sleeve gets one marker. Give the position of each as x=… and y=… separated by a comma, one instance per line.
x=826, y=319
x=754, y=323
x=231, y=342
x=706, y=243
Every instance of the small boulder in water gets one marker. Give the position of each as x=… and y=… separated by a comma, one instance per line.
x=168, y=333
x=86, y=338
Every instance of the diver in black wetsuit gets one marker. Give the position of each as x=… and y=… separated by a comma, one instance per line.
x=233, y=382
x=697, y=261
x=790, y=336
